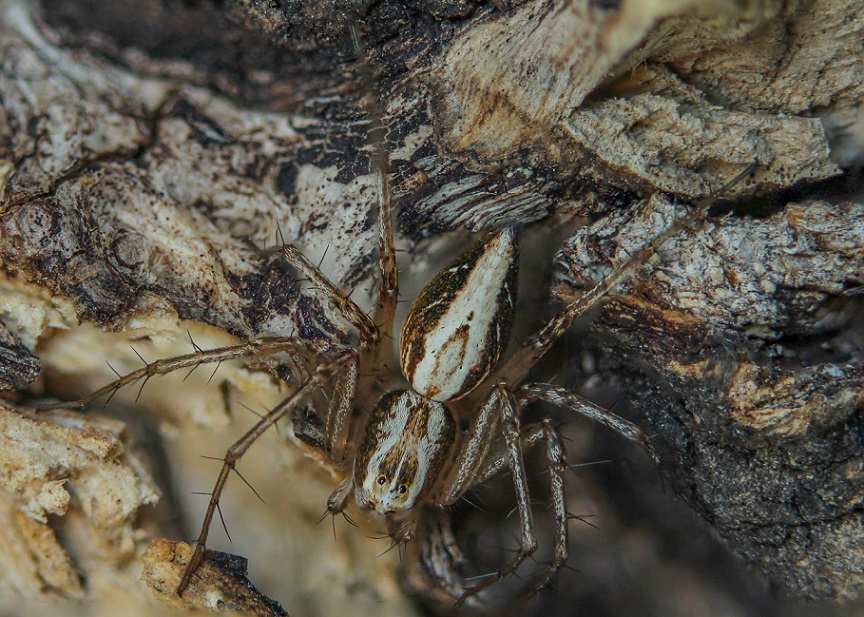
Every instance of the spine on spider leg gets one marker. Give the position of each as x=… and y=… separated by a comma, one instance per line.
x=191, y=361
x=537, y=345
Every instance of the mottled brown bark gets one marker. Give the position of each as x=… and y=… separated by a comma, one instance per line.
x=151, y=153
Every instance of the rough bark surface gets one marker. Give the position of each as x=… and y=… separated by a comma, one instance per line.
x=152, y=154
x=766, y=376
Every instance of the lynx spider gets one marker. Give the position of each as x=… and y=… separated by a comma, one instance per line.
x=406, y=453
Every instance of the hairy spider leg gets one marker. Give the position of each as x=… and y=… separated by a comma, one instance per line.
x=518, y=366
x=261, y=347
x=388, y=291
x=321, y=376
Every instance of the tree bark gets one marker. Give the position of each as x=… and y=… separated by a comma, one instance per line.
x=153, y=153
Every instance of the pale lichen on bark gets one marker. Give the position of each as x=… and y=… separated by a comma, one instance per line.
x=152, y=154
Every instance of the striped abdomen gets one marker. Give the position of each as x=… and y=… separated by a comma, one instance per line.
x=458, y=326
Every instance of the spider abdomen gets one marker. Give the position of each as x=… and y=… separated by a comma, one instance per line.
x=458, y=326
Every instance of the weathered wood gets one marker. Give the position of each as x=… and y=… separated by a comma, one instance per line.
x=151, y=154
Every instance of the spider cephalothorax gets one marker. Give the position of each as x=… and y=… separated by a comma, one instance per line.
x=406, y=444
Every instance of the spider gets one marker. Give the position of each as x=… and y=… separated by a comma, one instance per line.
x=406, y=454
x=394, y=434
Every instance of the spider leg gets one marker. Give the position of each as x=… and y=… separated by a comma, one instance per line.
x=341, y=413
x=433, y=563
x=337, y=499
x=264, y=346
x=388, y=290
x=328, y=437
x=561, y=397
x=337, y=431
x=510, y=428
x=369, y=334
x=474, y=464
x=497, y=460
x=236, y=451
x=556, y=463
x=473, y=452
x=536, y=346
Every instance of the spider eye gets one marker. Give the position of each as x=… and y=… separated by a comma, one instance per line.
x=382, y=479
x=403, y=488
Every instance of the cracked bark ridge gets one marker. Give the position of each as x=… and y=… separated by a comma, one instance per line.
x=647, y=128
x=95, y=146
x=747, y=332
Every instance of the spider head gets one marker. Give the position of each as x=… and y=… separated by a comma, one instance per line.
x=387, y=494
x=406, y=443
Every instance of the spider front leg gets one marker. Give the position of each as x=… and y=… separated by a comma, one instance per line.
x=262, y=347
x=316, y=380
x=341, y=414
x=561, y=397
x=474, y=464
x=337, y=430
